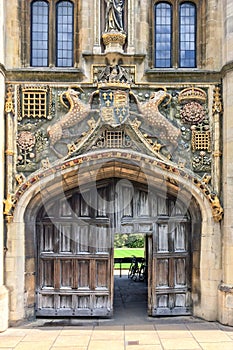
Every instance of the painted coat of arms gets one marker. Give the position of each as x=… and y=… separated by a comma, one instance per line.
x=114, y=106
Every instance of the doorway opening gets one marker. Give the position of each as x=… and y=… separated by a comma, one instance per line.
x=75, y=253
x=130, y=275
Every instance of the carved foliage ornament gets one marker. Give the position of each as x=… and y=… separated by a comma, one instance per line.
x=192, y=112
x=25, y=142
x=11, y=200
x=217, y=104
x=9, y=107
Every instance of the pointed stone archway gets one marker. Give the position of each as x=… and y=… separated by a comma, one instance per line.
x=65, y=177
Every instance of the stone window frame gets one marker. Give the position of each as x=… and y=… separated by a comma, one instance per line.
x=26, y=33
x=200, y=33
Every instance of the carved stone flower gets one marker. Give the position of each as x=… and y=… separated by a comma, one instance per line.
x=192, y=112
x=26, y=140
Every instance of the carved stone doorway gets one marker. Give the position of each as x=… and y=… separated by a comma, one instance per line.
x=75, y=258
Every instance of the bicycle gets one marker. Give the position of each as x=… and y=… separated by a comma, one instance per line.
x=133, y=269
x=137, y=272
x=143, y=271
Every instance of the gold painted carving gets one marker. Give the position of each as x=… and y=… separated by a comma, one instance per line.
x=9, y=108
x=34, y=101
x=206, y=178
x=151, y=114
x=217, y=104
x=9, y=204
x=192, y=93
x=113, y=38
x=9, y=152
x=45, y=163
x=217, y=210
x=201, y=140
x=78, y=111
x=20, y=178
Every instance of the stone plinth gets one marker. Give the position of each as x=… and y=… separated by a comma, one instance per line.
x=114, y=41
x=226, y=304
x=4, y=308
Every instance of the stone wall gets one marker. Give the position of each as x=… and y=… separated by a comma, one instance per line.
x=215, y=58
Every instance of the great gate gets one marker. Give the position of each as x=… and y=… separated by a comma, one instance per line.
x=75, y=262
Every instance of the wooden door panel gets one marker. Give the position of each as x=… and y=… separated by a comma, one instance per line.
x=65, y=238
x=83, y=302
x=83, y=273
x=162, y=240
x=66, y=273
x=47, y=273
x=65, y=208
x=81, y=238
x=47, y=243
x=84, y=207
x=162, y=273
x=101, y=273
x=171, y=256
x=65, y=302
x=180, y=300
x=46, y=302
x=180, y=274
x=102, y=239
x=74, y=260
x=180, y=238
x=143, y=204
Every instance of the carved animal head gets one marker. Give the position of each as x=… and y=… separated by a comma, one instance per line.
x=159, y=96
x=70, y=94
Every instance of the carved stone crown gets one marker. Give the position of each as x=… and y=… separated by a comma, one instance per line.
x=192, y=94
x=114, y=76
x=113, y=84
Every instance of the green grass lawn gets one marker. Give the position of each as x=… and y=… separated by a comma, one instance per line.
x=127, y=253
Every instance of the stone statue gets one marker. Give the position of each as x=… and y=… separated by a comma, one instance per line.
x=114, y=15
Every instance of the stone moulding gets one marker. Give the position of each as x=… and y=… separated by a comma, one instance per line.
x=226, y=288
x=12, y=199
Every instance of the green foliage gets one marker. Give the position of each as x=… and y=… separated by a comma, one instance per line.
x=119, y=240
x=130, y=241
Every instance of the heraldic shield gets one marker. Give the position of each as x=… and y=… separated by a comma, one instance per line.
x=114, y=106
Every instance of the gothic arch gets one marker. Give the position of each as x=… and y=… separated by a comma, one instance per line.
x=63, y=178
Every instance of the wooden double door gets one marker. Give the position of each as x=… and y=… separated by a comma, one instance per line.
x=75, y=255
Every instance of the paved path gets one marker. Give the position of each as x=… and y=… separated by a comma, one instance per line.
x=129, y=329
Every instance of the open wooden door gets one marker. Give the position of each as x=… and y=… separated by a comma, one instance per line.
x=170, y=270
x=75, y=260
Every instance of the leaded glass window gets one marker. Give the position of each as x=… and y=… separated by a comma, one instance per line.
x=163, y=35
x=187, y=38
x=175, y=34
x=64, y=40
x=39, y=33
x=52, y=33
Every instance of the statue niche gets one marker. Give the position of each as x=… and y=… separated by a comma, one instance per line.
x=114, y=15
x=114, y=34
